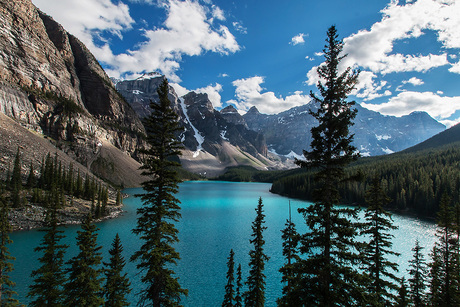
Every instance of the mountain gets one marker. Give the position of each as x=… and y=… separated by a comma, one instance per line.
x=450, y=136
x=50, y=83
x=288, y=133
x=214, y=140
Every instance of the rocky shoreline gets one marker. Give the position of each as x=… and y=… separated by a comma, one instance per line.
x=32, y=216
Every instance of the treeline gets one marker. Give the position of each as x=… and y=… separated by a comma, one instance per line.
x=414, y=181
x=55, y=185
x=84, y=280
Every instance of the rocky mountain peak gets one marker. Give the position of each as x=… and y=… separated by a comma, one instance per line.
x=231, y=115
x=253, y=110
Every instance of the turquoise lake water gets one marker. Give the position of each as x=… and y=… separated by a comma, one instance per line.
x=216, y=217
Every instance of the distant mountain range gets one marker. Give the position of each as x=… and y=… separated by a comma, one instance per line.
x=50, y=83
x=285, y=134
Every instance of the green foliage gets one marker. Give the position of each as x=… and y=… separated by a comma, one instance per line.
x=160, y=209
x=328, y=274
x=49, y=278
x=239, y=285
x=444, y=268
x=418, y=276
x=84, y=286
x=229, y=291
x=402, y=300
x=291, y=253
x=255, y=295
x=379, y=271
x=16, y=182
x=117, y=284
x=414, y=181
x=6, y=265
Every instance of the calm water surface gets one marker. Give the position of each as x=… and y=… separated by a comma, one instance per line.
x=216, y=217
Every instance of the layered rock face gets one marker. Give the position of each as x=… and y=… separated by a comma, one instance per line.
x=51, y=83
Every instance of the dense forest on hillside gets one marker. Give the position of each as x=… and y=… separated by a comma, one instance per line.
x=414, y=181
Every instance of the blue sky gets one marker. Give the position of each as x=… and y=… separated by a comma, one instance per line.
x=265, y=53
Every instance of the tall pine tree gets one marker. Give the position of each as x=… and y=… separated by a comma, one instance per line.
x=291, y=253
x=84, y=286
x=160, y=209
x=229, y=291
x=16, y=181
x=379, y=271
x=49, y=278
x=6, y=260
x=418, y=275
x=239, y=285
x=117, y=285
x=444, y=280
x=328, y=276
x=255, y=295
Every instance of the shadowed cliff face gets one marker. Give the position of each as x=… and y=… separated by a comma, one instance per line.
x=52, y=84
x=50, y=81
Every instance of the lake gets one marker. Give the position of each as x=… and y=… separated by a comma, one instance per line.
x=216, y=217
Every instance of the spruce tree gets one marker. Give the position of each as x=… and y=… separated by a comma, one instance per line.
x=229, y=291
x=117, y=285
x=16, y=181
x=402, y=300
x=418, y=275
x=379, y=271
x=47, y=288
x=444, y=280
x=160, y=210
x=84, y=286
x=31, y=179
x=6, y=260
x=328, y=275
x=291, y=253
x=239, y=285
x=255, y=295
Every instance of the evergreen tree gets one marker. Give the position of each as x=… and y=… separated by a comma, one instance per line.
x=239, y=285
x=418, y=274
x=402, y=300
x=84, y=284
x=328, y=275
x=47, y=288
x=31, y=179
x=119, y=199
x=6, y=265
x=291, y=253
x=16, y=181
x=255, y=295
x=117, y=284
x=444, y=280
x=378, y=269
x=229, y=292
x=160, y=209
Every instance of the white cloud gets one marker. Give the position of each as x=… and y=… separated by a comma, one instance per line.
x=298, y=39
x=186, y=31
x=86, y=19
x=439, y=107
x=249, y=93
x=368, y=89
x=223, y=75
x=373, y=49
x=239, y=27
x=449, y=123
x=213, y=92
x=414, y=81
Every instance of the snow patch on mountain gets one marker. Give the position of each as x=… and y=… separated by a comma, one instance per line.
x=383, y=137
x=198, y=137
